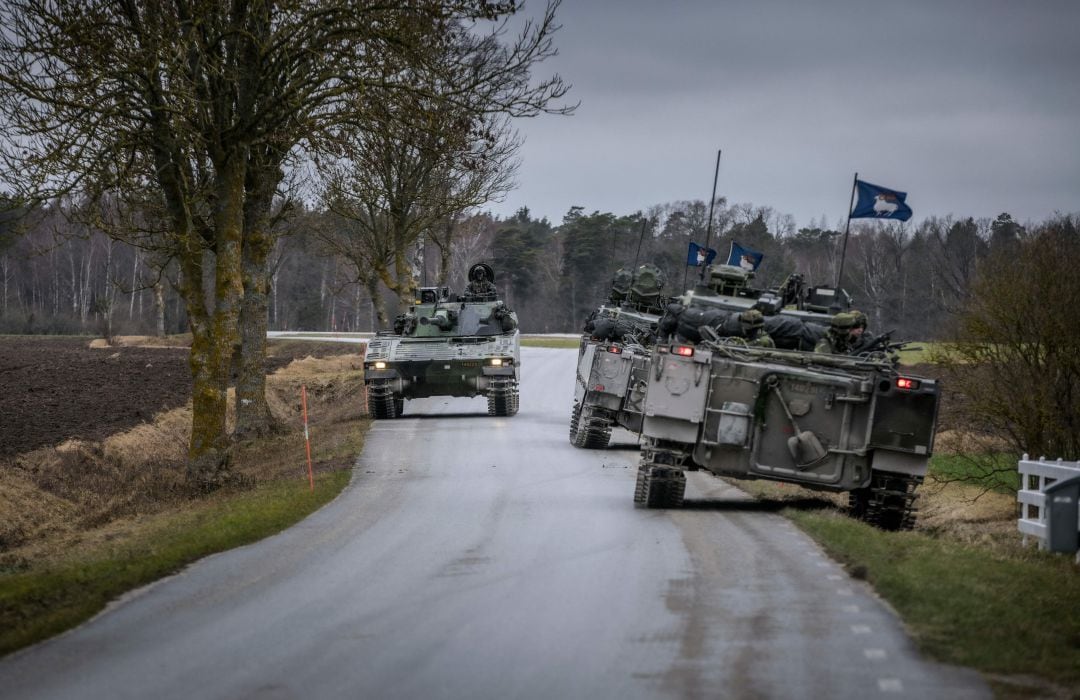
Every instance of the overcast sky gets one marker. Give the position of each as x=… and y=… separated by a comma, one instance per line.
x=972, y=107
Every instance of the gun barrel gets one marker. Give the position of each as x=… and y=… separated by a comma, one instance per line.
x=441, y=322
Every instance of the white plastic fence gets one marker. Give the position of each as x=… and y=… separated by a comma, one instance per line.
x=1035, y=476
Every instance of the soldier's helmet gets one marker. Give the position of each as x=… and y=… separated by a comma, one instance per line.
x=860, y=319
x=481, y=272
x=842, y=322
x=620, y=285
x=752, y=318
x=648, y=281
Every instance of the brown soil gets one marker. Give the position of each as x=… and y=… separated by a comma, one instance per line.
x=60, y=388
x=103, y=470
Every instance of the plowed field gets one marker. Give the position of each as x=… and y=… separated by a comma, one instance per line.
x=56, y=388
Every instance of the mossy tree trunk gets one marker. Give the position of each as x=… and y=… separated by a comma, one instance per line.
x=253, y=417
x=214, y=329
x=371, y=282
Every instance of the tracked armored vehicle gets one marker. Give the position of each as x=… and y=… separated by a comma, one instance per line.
x=613, y=357
x=840, y=423
x=447, y=345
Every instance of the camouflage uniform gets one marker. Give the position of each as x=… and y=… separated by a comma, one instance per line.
x=863, y=341
x=753, y=329
x=837, y=341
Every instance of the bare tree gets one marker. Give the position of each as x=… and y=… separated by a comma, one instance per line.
x=955, y=249
x=202, y=108
x=427, y=161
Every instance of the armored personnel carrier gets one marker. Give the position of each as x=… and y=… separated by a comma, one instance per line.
x=838, y=423
x=613, y=358
x=447, y=345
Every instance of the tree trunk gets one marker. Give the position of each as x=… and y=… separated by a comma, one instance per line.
x=214, y=333
x=253, y=417
x=208, y=451
x=372, y=285
x=159, y=308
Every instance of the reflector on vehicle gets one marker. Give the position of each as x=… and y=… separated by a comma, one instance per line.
x=684, y=350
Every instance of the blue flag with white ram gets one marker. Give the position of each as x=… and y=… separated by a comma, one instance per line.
x=880, y=203
x=745, y=258
x=699, y=255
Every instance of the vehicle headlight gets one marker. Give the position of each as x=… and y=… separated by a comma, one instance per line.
x=380, y=365
x=496, y=362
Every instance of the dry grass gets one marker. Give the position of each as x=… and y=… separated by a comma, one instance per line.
x=968, y=514
x=82, y=493
x=950, y=510
x=182, y=340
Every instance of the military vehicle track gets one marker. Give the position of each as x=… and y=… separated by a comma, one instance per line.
x=503, y=399
x=383, y=404
x=661, y=481
x=587, y=430
x=888, y=502
x=659, y=486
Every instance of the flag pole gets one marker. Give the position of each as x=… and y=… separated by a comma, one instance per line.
x=847, y=227
x=712, y=201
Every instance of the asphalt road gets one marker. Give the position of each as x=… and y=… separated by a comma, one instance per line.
x=477, y=557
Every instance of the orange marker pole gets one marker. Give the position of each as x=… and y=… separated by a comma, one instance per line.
x=307, y=437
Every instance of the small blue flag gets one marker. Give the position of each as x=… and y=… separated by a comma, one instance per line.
x=699, y=255
x=744, y=257
x=880, y=203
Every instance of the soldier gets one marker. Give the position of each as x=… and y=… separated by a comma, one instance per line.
x=405, y=324
x=752, y=322
x=840, y=337
x=860, y=337
x=479, y=284
x=620, y=286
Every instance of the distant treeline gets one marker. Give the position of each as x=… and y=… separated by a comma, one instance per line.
x=58, y=276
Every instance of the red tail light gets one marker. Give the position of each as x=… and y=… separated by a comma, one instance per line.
x=683, y=350
x=614, y=348
x=907, y=384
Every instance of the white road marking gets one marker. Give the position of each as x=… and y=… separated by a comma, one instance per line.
x=890, y=685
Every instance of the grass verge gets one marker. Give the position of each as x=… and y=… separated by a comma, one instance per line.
x=42, y=602
x=550, y=342
x=1012, y=616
